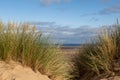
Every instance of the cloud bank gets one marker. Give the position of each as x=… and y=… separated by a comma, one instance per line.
x=66, y=34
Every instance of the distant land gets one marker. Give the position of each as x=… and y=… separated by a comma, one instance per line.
x=71, y=45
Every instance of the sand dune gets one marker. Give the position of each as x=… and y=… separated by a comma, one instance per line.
x=14, y=71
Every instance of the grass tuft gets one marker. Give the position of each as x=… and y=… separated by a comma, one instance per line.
x=98, y=56
x=22, y=43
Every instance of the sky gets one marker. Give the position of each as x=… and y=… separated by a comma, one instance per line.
x=68, y=21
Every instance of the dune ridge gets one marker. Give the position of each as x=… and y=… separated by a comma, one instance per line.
x=15, y=71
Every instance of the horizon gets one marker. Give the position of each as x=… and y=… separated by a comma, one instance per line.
x=68, y=21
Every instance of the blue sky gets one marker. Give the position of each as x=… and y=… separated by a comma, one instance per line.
x=69, y=21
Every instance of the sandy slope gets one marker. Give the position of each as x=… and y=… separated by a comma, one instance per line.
x=14, y=71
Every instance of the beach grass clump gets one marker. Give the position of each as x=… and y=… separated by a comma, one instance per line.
x=97, y=57
x=22, y=43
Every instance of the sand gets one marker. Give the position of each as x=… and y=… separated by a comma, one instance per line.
x=14, y=71
x=70, y=52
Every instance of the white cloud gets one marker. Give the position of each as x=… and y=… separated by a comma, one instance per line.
x=66, y=34
x=71, y=35
x=49, y=2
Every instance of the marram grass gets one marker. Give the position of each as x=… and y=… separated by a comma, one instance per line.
x=97, y=57
x=22, y=43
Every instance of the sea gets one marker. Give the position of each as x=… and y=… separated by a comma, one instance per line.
x=71, y=45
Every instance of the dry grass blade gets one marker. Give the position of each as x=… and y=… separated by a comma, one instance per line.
x=21, y=42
